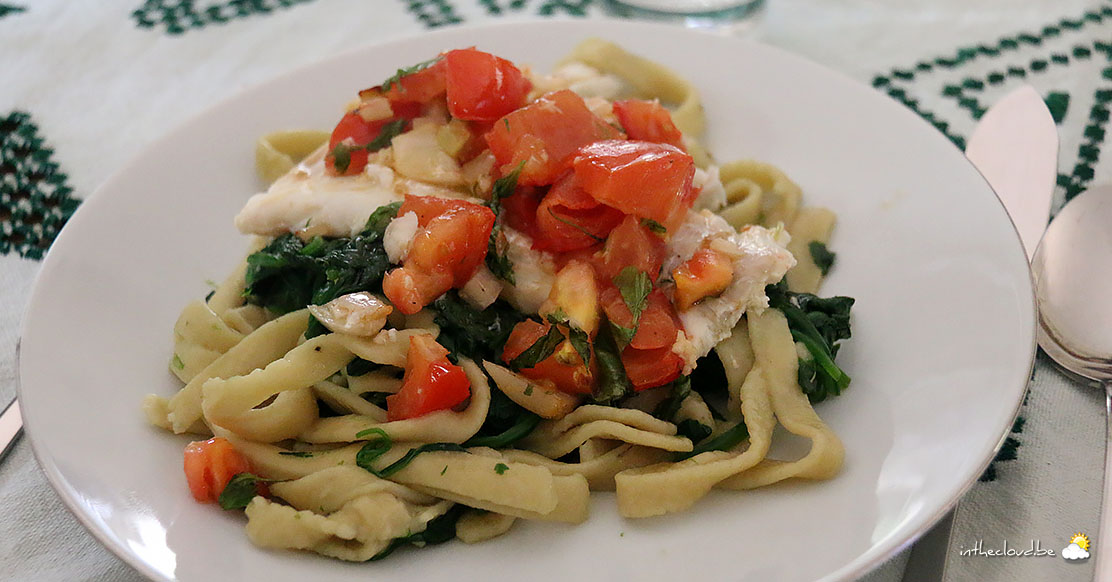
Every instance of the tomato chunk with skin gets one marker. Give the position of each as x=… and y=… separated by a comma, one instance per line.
x=707, y=273
x=569, y=219
x=651, y=368
x=657, y=326
x=445, y=252
x=429, y=207
x=648, y=121
x=630, y=244
x=648, y=180
x=354, y=131
x=210, y=465
x=564, y=368
x=481, y=86
x=420, y=86
x=544, y=135
x=431, y=382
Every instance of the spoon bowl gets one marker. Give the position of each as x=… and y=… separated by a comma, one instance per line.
x=1072, y=268
x=1073, y=280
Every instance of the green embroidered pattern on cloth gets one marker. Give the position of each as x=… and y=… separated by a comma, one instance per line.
x=436, y=13
x=6, y=9
x=183, y=15
x=34, y=199
x=965, y=92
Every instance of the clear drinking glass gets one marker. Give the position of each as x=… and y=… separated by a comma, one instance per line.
x=716, y=14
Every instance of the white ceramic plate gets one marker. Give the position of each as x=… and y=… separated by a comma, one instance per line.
x=942, y=346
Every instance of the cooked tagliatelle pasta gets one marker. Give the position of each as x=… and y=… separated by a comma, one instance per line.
x=489, y=292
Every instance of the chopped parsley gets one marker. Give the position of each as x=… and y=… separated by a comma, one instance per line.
x=240, y=491
x=501, y=468
x=653, y=226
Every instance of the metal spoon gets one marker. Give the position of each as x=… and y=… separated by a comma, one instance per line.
x=1073, y=280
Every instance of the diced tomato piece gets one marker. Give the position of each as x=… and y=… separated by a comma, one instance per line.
x=630, y=244
x=651, y=368
x=707, y=273
x=564, y=368
x=446, y=251
x=649, y=180
x=481, y=86
x=569, y=219
x=420, y=87
x=520, y=210
x=648, y=121
x=431, y=381
x=657, y=326
x=210, y=465
x=429, y=207
x=410, y=289
x=353, y=131
x=544, y=135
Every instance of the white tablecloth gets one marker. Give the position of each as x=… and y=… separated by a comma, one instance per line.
x=84, y=86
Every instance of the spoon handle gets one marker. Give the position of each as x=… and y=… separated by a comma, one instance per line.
x=1103, y=549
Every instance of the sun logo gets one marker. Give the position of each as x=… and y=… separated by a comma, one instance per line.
x=1078, y=548
x=1081, y=540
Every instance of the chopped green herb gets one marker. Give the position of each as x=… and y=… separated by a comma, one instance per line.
x=298, y=454
x=444, y=470
x=823, y=258
x=177, y=363
x=529, y=390
x=496, y=259
x=635, y=286
x=506, y=121
x=578, y=338
x=240, y=491
x=501, y=468
x=653, y=226
x=341, y=156
x=544, y=347
x=622, y=335
x=387, y=134
x=613, y=382
x=397, y=77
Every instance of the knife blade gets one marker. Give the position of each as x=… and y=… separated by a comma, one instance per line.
x=1015, y=148
x=11, y=426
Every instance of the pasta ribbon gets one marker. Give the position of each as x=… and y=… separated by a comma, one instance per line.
x=758, y=193
x=234, y=402
x=812, y=224
x=554, y=439
x=776, y=356
x=268, y=343
x=277, y=153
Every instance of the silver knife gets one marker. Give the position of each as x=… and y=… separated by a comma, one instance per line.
x=1015, y=148
x=11, y=425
